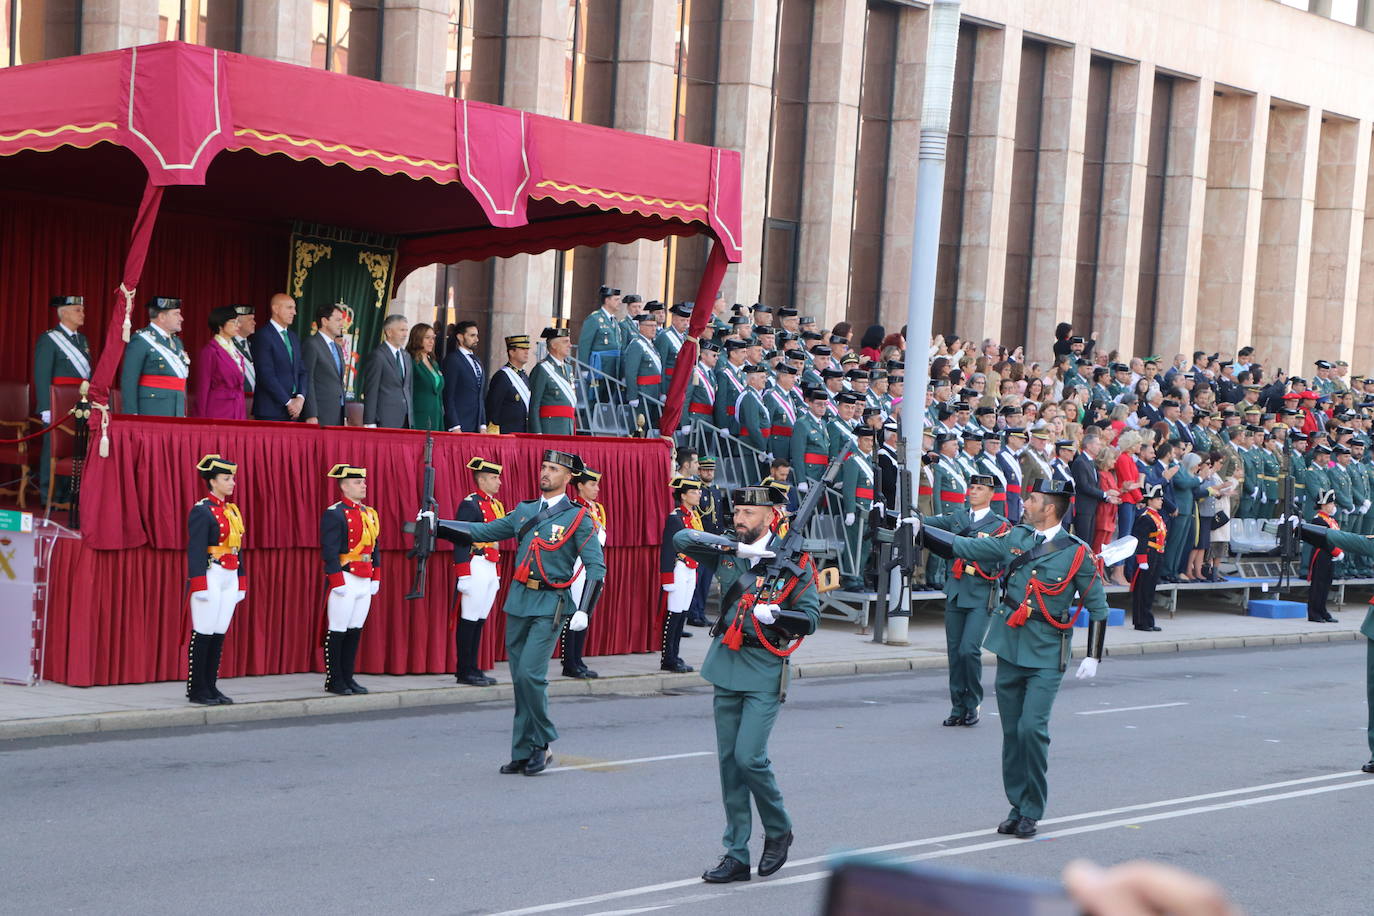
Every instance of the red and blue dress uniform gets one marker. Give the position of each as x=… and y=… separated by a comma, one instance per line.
x=478, y=582
x=352, y=567
x=217, y=582
x=678, y=576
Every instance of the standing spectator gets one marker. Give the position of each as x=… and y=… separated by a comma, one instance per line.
x=427, y=384
x=1105, y=529
x=508, y=395
x=1183, y=526
x=463, y=377
x=1213, y=500
x=248, y=324
x=386, y=379
x=871, y=342
x=1088, y=492
x=217, y=383
x=324, y=366
x=1128, y=481
x=280, y=365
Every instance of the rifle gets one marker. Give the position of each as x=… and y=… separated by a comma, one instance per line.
x=897, y=549
x=423, y=527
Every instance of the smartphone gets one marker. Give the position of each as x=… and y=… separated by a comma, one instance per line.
x=882, y=889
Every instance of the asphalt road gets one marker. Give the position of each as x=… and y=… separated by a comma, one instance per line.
x=1243, y=766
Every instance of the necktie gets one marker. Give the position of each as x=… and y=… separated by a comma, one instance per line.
x=286, y=339
x=476, y=368
x=338, y=358
x=401, y=364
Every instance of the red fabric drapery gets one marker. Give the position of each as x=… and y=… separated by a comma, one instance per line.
x=687, y=356
x=118, y=612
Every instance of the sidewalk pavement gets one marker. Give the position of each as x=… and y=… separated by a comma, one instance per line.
x=1204, y=621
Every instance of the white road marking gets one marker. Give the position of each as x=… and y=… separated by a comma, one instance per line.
x=632, y=760
x=1099, y=712
x=972, y=834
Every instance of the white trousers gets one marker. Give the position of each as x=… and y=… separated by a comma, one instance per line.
x=480, y=586
x=684, y=586
x=212, y=609
x=349, y=610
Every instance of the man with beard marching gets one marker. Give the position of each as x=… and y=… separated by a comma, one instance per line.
x=475, y=567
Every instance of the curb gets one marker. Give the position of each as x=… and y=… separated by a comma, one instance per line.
x=625, y=685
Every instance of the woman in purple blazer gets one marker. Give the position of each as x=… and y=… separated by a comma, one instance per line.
x=217, y=373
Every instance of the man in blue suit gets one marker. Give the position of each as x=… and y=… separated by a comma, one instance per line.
x=280, y=365
x=464, y=407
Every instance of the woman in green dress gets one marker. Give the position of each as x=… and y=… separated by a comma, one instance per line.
x=427, y=382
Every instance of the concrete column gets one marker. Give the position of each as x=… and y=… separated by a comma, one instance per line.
x=415, y=44
x=744, y=102
x=1185, y=194
x=278, y=29
x=1058, y=194
x=1362, y=361
x=987, y=188
x=110, y=24
x=1123, y=204
x=1230, y=223
x=832, y=124
x=1337, y=229
x=536, y=58
x=899, y=220
x=1285, y=243
x=645, y=92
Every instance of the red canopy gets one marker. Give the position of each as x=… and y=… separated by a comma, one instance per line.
x=244, y=137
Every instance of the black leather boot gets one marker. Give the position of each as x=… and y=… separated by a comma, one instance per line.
x=335, y=674
x=351, y=638
x=212, y=670
x=197, y=654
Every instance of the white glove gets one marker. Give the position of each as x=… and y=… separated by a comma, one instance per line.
x=375, y=587
x=685, y=429
x=421, y=516
x=242, y=594
x=455, y=429
x=913, y=521
x=465, y=585
x=1143, y=566
x=369, y=426
x=201, y=597
x=339, y=591
x=670, y=588
x=46, y=416
x=1367, y=504
x=1086, y=668
x=848, y=519
x=634, y=402
x=768, y=456
x=578, y=623
x=758, y=550
x=1294, y=521
x=803, y=487
x=766, y=613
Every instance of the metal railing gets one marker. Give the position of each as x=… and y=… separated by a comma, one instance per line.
x=603, y=408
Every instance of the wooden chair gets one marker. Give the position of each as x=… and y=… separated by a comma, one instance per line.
x=14, y=423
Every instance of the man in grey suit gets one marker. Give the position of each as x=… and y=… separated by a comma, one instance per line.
x=386, y=378
x=324, y=367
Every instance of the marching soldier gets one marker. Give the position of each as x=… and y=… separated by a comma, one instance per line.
x=678, y=571
x=643, y=372
x=715, y=513
x=475, y=567
x=1320, y=569
x=60, y=357
x=749, y=678
x=218, y=581
x=856, y=503
x=810, y=446
x=586, y=493
x=352, y=566
x=553, y=534
x=701, y=395
x=603, y=335
x=1151, y=536
x=970, y=592
x=156, y=364
x=669, y=341
x=1032, y=634
x=508, y=395
x=553, y=393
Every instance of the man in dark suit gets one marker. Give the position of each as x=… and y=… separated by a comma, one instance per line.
x=508, y=395
x=464, y=410
x=324, y=362
x=279, y=362
x=1087, y=491
x=386, y=378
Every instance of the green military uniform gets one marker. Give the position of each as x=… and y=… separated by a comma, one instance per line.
x=810, y=449
x=156, y=365
x=856, y=504
x=539, y=593
x=1031, y=657
x=643, y=380
x=553, y=398
x=729, y=384
x=1251, y=465
x=1340, y=482
x=748, y=685
x=1315, y=479
x=667, y=344
x=841, y=437
x=1295, y=466
x=755, y=423
x=1358, y=522
x=949, y=494
x=602, y=335
x=1202, y=438
x=970, y=592
x=700, y=405
x=1269, y=483
x=1183, y=527
x=60, y=357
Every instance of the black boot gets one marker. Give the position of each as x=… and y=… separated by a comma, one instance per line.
x=669, y=660
x=351, y=638
x=212, y=670
x=197, y=654
x=477, y=626
x=467, y=637
x=335, y=674
x=571, y=650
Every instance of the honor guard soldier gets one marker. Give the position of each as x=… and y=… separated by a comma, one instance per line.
x=552, y=533
x=1320, y=569
x=586, y=492
x=840, y=426
x=1032, y=633
x=603, y=337
x=783, y=408
x=856, y=503
x=553, y=392
x=156, y=364
x=701, y=393
x=218, y=581
x=747, y=666
x=751, y=413
x=475, y=566
x=643, y=373
x=730, y=384
x=971, y=591
x=670, y=340
x=60, y=357
x=810, y=446
x=508, y=395
x=352, y=567
x=1150, y=535
x=678, y=571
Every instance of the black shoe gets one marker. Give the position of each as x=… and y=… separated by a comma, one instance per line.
x=729, y=869
x=697, y=623
x=1368, y=767
x=357, y=688
x=677, y=667
x=1149, y=629
x=1008, y=826
x=970, y=718
x=486, y=677
x=474, y=680
x=774, y=854
x=579, y=673
x=1329, y=619
x=539, y=761
x=515, y=766
x=340, y=688
x=686, y=635
x=589, y=673
x=954, y=719
x=1025, y=828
